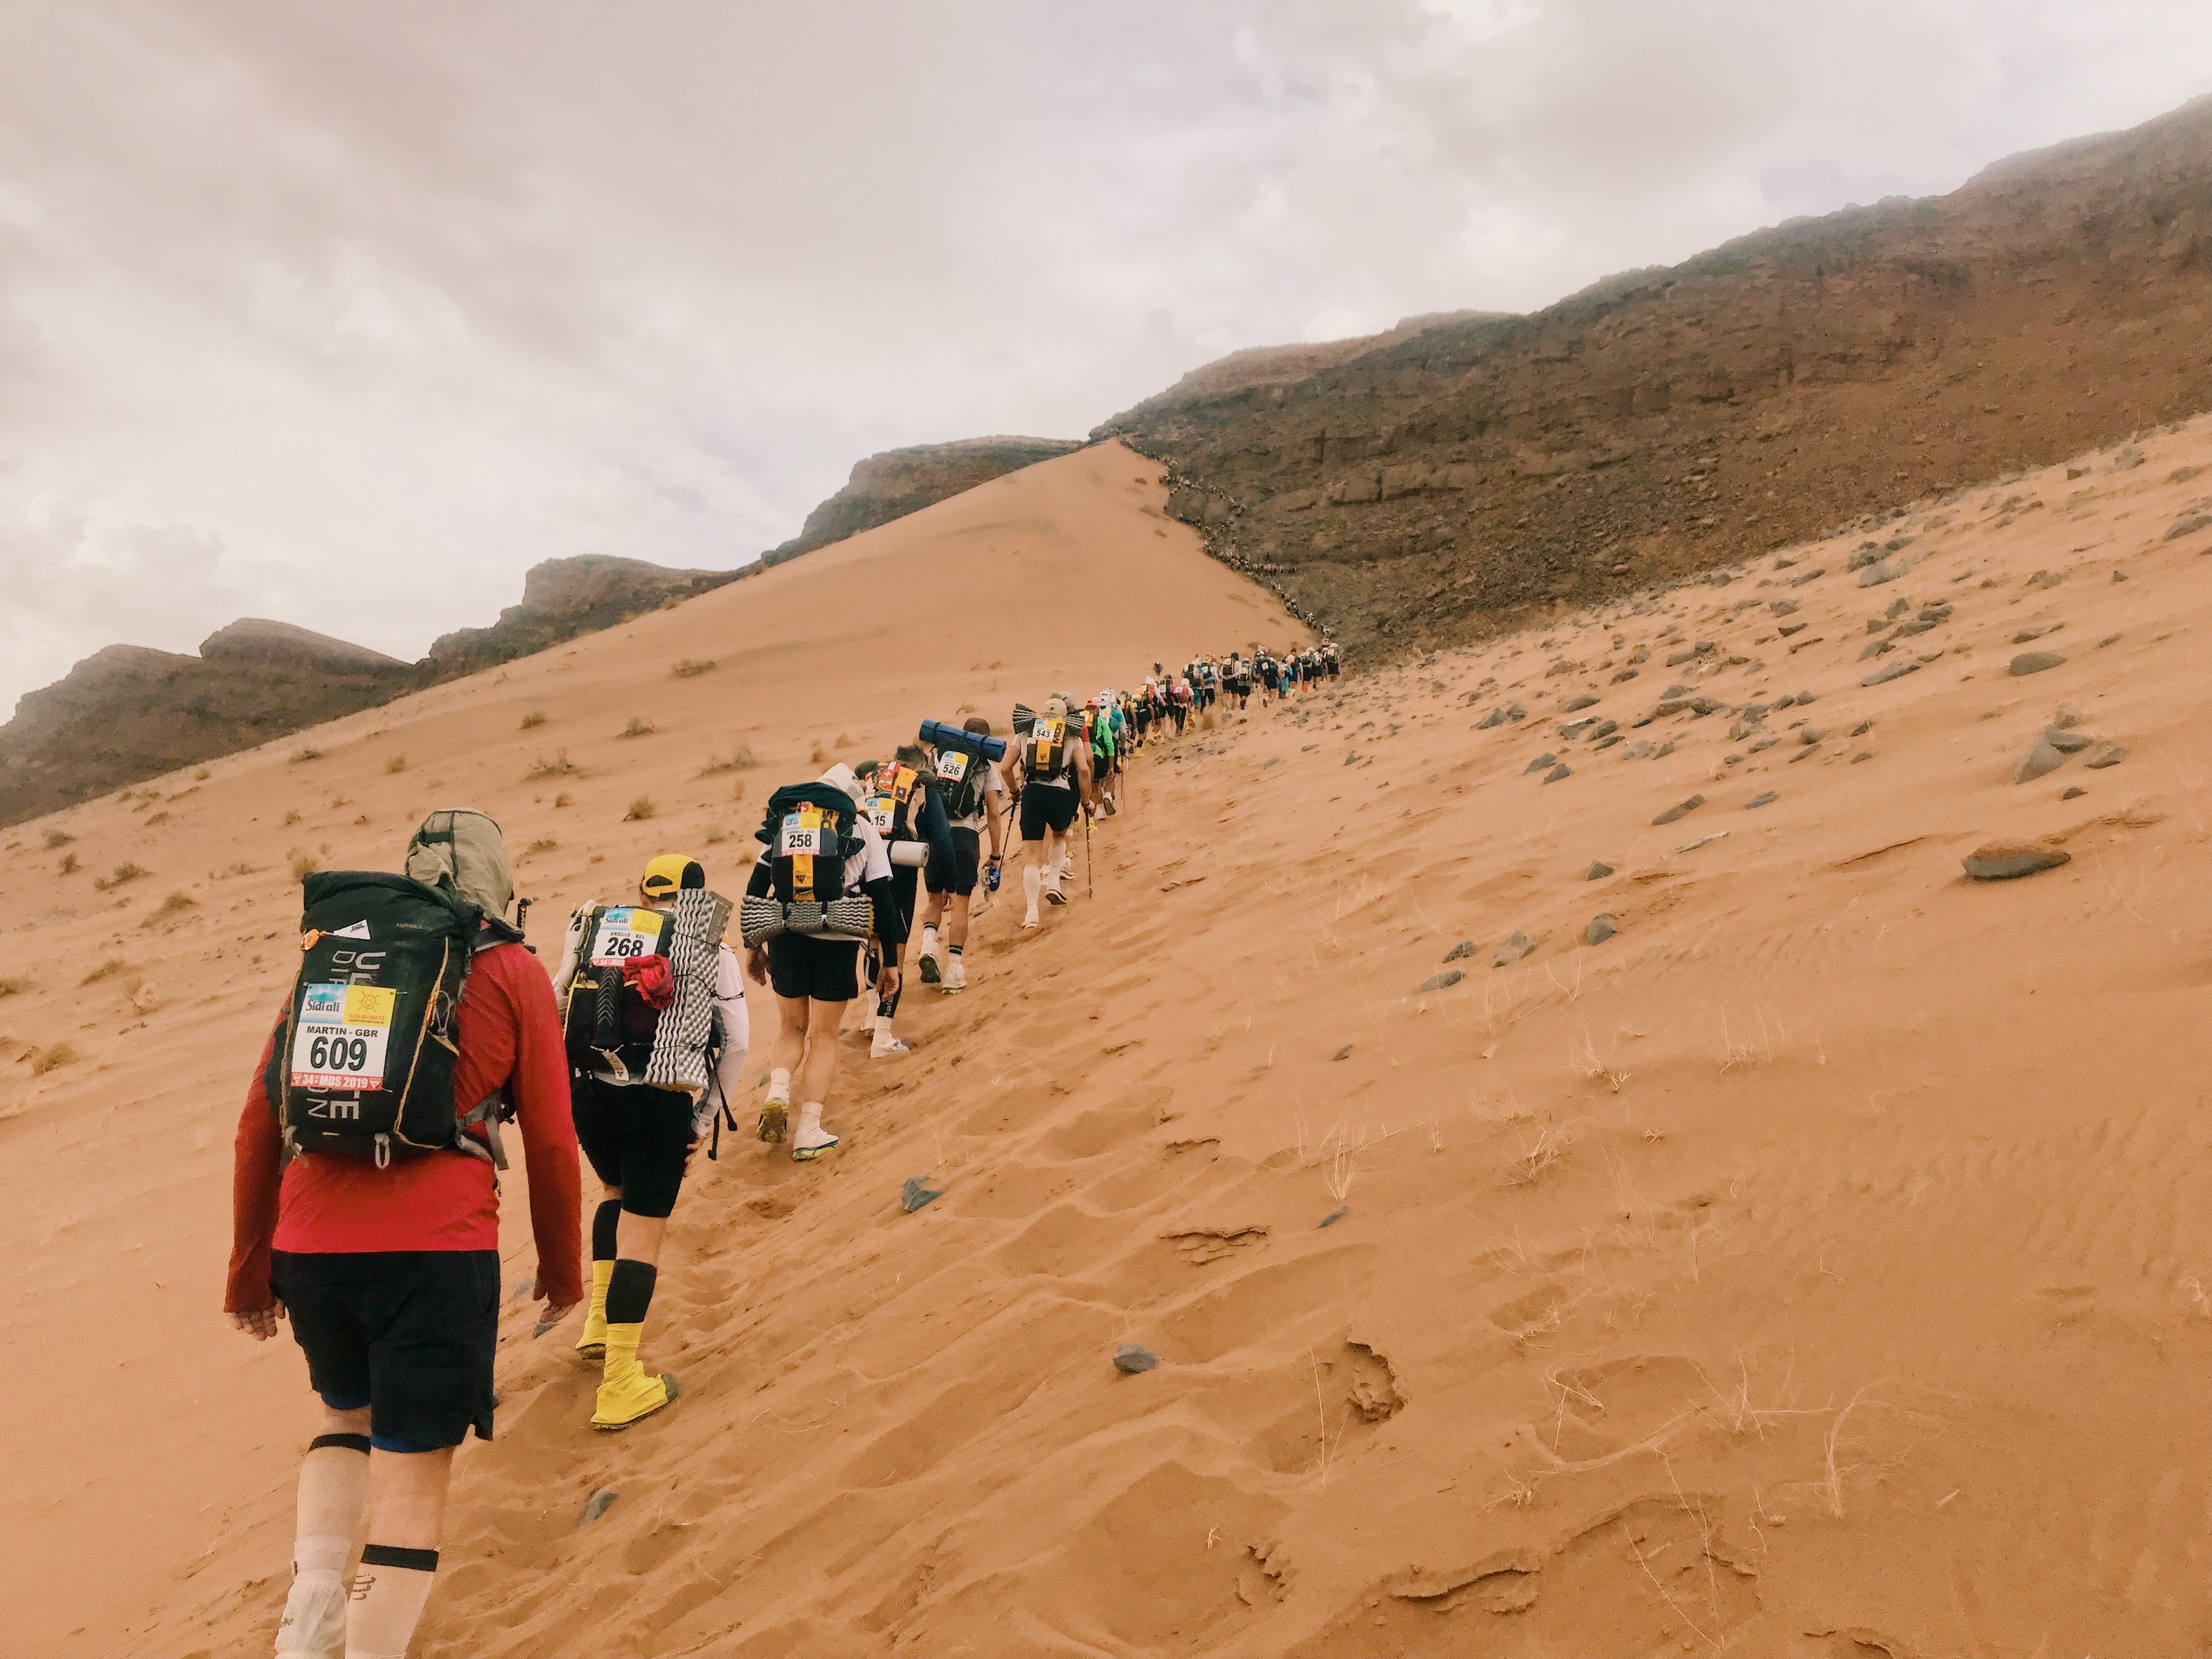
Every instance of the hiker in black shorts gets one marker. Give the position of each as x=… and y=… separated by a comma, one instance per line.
x=1051, y=769
x=972, y=792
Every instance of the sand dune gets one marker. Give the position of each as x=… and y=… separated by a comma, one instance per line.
x=1815, y=1266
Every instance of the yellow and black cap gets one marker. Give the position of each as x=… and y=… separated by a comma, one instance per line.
x=670, y=874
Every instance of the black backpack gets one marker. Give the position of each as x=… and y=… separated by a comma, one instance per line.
x=960, y=782
x=364, y=1057
x=614, y=1010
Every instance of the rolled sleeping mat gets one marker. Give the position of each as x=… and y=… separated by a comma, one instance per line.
x=938, y=735
x=914, y=853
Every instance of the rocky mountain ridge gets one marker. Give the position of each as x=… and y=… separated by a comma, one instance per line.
x=897, y=482
x=1467, y=471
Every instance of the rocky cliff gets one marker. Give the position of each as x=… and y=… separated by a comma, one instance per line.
x=902, y=481
x=127, y=712
x=563, y=597
x=1462, y=470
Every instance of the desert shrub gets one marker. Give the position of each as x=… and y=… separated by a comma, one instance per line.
x=397, y=764
x=49, y=1059
x=304, y=864
x=642, y=807
x=691, y=667
x=738, y=760
x=560, y=766
x=107, y=969
x=639, y=727
x=534, y=719
x=69, y=865
x=58, y=838
x=121, y=874
x=308, y=753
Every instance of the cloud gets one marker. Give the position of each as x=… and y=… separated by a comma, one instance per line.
x=420, y=295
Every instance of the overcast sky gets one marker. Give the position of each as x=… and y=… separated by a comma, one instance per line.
x=347, y=313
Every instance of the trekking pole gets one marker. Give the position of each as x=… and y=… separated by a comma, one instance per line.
x=1086, y=853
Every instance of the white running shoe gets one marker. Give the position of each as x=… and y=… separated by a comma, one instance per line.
x=956, y=974
x=812, y=1140
x=887, y=1043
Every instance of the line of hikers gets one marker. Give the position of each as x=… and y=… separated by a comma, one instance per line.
x=420, y=1023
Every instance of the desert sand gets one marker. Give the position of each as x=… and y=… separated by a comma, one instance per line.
x=1815, y=1266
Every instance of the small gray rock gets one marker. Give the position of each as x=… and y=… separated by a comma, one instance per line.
x=2035, y=631
x=1764, y=798
x=2007, y=860
x=1459, y=952
x=1562, y=770
x=1875, y=574
x=1787, y=701
x=1599, y=871
x=1517, y=945
x=1804, y=697
x=1540, y=763
x=1442, y=982
x=2034, y=662
x=1345, y=1053
x=1806, y=753
x=1131, y=1358
x=1601, y=928
x=1808, y=734
x=1604, y=729
x=917, y=1192
x=1573, y=703
x=2066, y=718
x=2067, y=742
x=1764, y=743
x=1679, y=809
x=1896, y=671
x=1516, y=711
x=1862, y=728
x=2188, y=526
x=2073, y=792
x=2104, y=754
x=597, y=1504
x=1898, y=607
x=2044, y=759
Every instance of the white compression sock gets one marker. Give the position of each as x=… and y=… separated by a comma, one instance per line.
x=333, y=1485
x=929, y=938
x=386, y=1602
x=779, y=1084
x=1032, y=884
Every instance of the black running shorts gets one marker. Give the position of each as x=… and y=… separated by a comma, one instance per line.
x=409, y=1333
x=807, y=965
x=958, y=877
x=1045, y=807
x=634, y=1137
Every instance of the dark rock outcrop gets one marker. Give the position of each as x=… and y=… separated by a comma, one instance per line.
x=901, y=481
x=1461, y=473
x=563, y=597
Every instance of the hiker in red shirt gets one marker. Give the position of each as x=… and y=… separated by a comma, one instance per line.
x=387, y=1261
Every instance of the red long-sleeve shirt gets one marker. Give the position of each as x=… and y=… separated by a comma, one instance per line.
x=507, y=1031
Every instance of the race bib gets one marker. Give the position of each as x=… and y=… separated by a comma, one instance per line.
x=883, y=810
x=951, y=766
x=802, y=835
x=626, y=932
x=338, y=1048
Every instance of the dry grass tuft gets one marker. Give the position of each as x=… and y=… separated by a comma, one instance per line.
x=820, y=756
x=533, y=720
x=564, y=798
x=558, y=766
x=691, y=667
x=1543, y=1150
x=69, y=865
x=58, y=838
x=397, y=764
x=308, y=753
x=107, y=969
x=639, y=727
x=171, y=907
x=643, y=807
x=121, y=874
x=738, y=760
x=48, y=1059
x=304, y=864
x=543, y=844
x=13, y=988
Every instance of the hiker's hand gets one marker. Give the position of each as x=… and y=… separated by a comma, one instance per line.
x=887, y=982
x=259, y=1323
x=757, y=964
x=549, y=1316
x=690, y=1152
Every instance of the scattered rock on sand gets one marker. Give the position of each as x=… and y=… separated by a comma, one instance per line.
x=2006, y=860
x=917, y=1192
x=1599, y=871
x=596, y=1504
x=1495, y=717
x=2073, y=792
x=2188, y=525
x=1132, y=1357
x=1459, y=952
x=1562, y=770
x=1442, y=982
x=2035, y=631
x=1764, y=798
x=2104, y=754
x=1345, y=1053
x=1601, y=928
x=2034, y=662
x=1862, y=728
x=2066, y=742
x=1896, y=671
x=1573, y=703
x=2065, y=718
x=1679, y=809
x=2045, y=757
x=1517, y=945
x=1808, y=734
x=1540, y=763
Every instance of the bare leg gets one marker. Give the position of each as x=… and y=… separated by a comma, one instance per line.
x=814, y=1075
